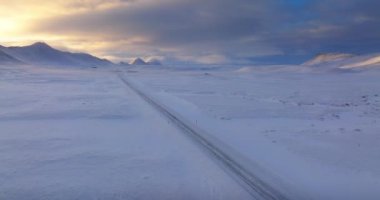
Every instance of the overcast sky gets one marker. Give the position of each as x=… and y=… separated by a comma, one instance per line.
x=202, y=31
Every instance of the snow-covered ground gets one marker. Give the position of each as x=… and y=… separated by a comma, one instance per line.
x=315, y=135
x=82, y=134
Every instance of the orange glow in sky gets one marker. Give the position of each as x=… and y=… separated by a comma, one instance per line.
x=20, y=21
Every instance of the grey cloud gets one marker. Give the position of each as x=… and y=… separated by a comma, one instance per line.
x=332, y=25
x=234, y=27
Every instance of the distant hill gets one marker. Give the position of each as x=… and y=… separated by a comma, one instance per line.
x=139, y=61
x=327, y=58
x=365, y=61
x=42, y=54
x=344, y=61
x=124, y=64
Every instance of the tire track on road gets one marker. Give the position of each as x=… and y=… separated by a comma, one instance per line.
x=257, y=188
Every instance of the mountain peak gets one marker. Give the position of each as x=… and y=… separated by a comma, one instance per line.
x=41, y=45
x=138, y=61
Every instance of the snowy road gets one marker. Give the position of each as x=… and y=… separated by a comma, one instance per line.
x=258, y=188
x=75, y=134
x=313, y=135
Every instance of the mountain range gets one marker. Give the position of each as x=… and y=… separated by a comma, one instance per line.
x=140, y=61
x=42, y=54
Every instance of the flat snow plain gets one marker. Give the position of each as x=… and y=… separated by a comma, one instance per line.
x=314, y=135
x=82, y=134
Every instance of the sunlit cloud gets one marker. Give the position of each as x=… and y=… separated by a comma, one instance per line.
x=209, y=31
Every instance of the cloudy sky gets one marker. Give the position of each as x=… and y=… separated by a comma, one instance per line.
x=201, y=31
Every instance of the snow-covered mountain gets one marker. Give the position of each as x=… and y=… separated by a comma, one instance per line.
x=42, y=54
x=138, y=61
x=344, y=61
x=327, y=58
x=153, y=61
x=372, y=60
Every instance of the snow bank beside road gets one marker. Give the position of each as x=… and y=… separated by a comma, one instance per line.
x=317, y=132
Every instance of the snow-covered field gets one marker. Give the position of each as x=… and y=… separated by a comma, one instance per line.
x=82, y=134
x=314, y=134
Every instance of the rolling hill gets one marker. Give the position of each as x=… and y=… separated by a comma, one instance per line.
x=344, y=61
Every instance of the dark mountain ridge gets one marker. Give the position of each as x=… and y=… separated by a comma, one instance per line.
x=42, y=54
